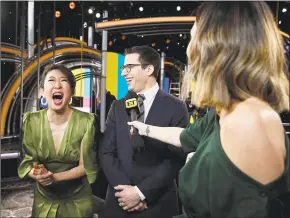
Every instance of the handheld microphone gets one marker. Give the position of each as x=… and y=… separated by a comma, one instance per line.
x=132, y=107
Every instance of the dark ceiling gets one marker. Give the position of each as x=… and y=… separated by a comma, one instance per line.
x=70, y=22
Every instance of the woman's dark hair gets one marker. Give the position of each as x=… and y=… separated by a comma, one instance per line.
x=67, y=72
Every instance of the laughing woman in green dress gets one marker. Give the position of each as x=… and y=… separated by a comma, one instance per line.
x=62, y=139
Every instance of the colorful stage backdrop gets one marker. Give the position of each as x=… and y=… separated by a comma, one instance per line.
x=83, y=92
x=115, y=83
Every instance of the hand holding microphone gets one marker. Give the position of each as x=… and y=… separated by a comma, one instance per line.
x=131, y=104
x=141, y=127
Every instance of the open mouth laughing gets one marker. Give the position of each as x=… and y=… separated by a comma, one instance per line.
x=57, y=98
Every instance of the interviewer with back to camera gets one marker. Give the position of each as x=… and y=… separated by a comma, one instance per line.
x=241, y=163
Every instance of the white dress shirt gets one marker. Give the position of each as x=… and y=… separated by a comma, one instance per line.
x=149, y=98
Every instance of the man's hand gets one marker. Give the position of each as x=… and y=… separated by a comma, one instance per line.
x=140, y=207
x=127, y=196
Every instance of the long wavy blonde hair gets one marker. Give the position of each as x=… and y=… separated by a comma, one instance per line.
x=236, y=52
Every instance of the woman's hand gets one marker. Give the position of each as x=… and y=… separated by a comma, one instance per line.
x=45, y=178
x=140, y=126
x=41, y=174
x=39, y=169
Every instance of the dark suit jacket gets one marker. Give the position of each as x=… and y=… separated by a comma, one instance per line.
x=152, y=170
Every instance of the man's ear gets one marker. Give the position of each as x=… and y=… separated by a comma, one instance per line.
x=150, y=70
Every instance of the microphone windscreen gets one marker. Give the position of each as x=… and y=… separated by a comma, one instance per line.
x=130, y=95
x=131, y=100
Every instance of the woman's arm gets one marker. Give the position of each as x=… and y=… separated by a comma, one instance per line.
x=169, y=135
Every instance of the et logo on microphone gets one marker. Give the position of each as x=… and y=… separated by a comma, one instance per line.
x=131, y=103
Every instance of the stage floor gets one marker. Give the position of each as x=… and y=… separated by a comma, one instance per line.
x=17, y=199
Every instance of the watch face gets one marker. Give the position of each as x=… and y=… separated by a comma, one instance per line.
x=147, y=130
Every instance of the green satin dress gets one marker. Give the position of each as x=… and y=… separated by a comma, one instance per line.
x=69, y=198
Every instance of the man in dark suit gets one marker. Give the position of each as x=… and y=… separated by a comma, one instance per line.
x=142, y=179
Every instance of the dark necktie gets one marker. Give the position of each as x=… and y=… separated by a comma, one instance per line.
x=141, y=99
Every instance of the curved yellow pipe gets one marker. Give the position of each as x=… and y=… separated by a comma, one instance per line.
x=151, y=20
x=169, y=63
x=285, y=34
x=12, y=51
x=127, y=22
x=7, y=101
x=64, y=39
x=57, y=39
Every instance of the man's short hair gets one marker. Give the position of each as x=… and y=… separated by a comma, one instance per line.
x=147, y=56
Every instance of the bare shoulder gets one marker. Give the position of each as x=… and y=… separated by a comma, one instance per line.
x=255, y=118
x=252, y=136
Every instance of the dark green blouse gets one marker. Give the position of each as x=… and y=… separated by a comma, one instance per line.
x=210, y=185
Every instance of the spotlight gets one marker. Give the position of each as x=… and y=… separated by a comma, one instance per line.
x=57, y=14
x=98, y=15
x=72, y=5
x=178, y=8
x=141, y=9
x=180, y=35
x=90, y=10
x=284, y=10
x=85, y=24
x=280, y=22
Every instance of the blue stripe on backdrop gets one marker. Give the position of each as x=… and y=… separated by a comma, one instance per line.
x=87, y=83
x=166, y=84
x=122, y=84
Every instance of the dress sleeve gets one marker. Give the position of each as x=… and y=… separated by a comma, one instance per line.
x=30, y=154
x=90, y=146
x=192, y=134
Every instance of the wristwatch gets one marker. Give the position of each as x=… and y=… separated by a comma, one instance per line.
x=147, y=130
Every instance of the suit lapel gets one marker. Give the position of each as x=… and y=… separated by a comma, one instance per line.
x=156, y=107
x=125, y=145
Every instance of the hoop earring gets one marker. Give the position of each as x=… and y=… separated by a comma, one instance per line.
x=43, y=101
x=70, y=101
